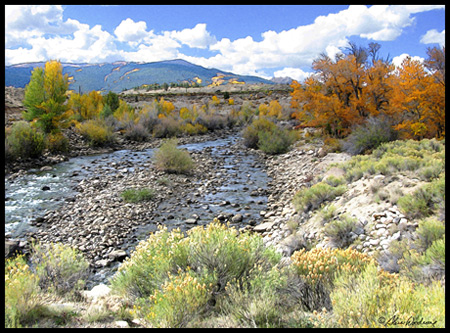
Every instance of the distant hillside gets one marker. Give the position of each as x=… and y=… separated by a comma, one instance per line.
x=121, y=75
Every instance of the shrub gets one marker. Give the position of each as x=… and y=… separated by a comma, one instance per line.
x=424, y=201
x=167, y=127
x=313, y=197
x=339, y=231
x=173, y=160
x=59, y=267
x=369, y=136
x=196, y=129
x=25, y=141
x=57, y=142
x=135, y=195
x=376, y=298
x=181, y=298
x=175, y=277
x=324, y=265
x=429, y=230
x=96, y=132
x=21, y=292
x=251, y=132
x=277, y=141
x=136, y=132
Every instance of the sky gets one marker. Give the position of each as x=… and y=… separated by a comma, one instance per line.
x=261, y=40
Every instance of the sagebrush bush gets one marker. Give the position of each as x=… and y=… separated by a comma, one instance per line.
x=425, y=157
x=325, y=264
x=173, y=160
x=369, y=135
x=59, y=267
x=25, y=141
x=174, y=277
x=311, y=198
x=167, y=127
x=429, y=230
x=376, y=298
x=424, y=201
x=136, y=132
x=96, y=132
x=57, y=142
x=251, y=132
x=21, y=292
x=277, y=141
x=339, y=231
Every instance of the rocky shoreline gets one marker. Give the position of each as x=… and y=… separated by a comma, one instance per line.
x=105, y=228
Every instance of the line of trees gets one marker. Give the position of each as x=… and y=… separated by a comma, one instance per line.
x=358, y=84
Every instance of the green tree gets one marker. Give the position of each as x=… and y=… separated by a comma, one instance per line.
x=45, y=96
x=112, y=99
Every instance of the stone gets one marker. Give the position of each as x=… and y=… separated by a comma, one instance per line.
x=117, y=255
x=11, y=247
x=237, y=218
x=263, y=226
x=121, y=324
x=97, y=291
x=374, y=242
x=45, y=188
x=190, y=221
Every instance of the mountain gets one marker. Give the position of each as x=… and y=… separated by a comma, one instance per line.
x=282, y=80
x=121, y=75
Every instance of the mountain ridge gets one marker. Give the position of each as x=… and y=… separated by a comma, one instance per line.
x=121, y=75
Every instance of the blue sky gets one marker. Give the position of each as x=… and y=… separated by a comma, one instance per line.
x=263, y=40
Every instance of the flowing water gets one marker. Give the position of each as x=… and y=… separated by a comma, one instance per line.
x=28, y=197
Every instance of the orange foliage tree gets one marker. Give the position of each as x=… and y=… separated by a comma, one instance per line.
x=418, y=101
x=358, y=84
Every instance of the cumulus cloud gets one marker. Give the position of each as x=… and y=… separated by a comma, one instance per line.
x=293, y=73
x=197, y=37
x=397, y=61
x=433, y=36
x=37, y=33
x=130, y=31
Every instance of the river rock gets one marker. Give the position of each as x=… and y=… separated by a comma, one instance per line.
x=237, y=218
x=117, y=255
x=263, y=226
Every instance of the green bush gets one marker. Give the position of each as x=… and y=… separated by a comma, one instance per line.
x=57, y=142
x=59, y=267
x=138, y=195
x=21, y=292
x=369, y=136
x=24, y=141
x=425, y=201
x=175, y=278
x=173, y=160
x=265, y=135
x=96, y=132
x=429, y=230
x=313, y=197
x=251, y=132
x=376, y=298
x=277, y=141
x=339, y=231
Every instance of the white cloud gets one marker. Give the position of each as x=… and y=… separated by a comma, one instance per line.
x=36, y=33
x=433, y=36
x=196, y=37
x=397, y=61
x=294, y=73
x=130, y=31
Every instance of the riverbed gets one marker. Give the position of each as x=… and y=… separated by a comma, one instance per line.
x=78, y=202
